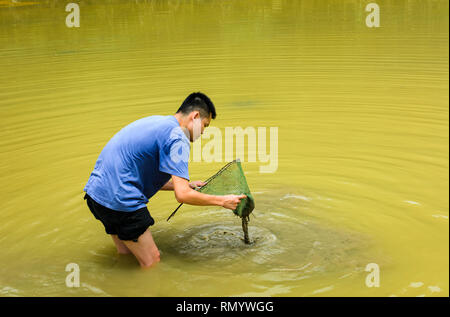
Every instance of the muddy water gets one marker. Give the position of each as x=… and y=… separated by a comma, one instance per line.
x=362, y=164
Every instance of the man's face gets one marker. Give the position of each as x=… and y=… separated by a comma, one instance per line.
x=197, y=125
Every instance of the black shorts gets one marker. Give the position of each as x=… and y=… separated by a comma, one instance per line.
x=127, y=225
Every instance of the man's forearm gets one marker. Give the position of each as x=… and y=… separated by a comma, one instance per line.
x=193, y=197
x=185, y=194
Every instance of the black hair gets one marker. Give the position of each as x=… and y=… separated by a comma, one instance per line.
x=200, y=102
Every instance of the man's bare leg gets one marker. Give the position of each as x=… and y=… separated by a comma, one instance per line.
x=145, y=249
x=121, y=247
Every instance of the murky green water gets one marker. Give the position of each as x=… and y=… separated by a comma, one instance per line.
x=363, y=156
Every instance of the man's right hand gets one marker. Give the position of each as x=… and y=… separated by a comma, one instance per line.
x=232, y=201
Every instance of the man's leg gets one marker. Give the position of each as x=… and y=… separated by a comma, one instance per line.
x=121, y=247
x=145, y=249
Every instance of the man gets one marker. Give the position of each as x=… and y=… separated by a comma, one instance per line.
x=148, y=155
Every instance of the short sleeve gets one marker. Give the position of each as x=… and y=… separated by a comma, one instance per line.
x=174, y=155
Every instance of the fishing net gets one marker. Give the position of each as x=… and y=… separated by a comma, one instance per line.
x=230, y=180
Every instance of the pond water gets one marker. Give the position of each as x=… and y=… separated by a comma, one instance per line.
x=362, y=159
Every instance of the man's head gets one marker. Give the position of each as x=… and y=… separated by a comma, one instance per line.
x=195, y=114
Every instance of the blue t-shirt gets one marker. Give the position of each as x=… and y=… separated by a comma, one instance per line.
x=137, y=162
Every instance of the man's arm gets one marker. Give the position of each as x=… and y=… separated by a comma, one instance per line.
x=169, y=185
x=185, y=194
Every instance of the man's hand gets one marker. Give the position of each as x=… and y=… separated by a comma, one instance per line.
x=232, y=201
x=196, y=184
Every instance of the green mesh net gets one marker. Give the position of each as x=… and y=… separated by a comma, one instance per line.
x=230, y=180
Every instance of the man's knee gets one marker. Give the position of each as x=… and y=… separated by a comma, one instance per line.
x=150, y=260
x=146, y=262
x=156, y=256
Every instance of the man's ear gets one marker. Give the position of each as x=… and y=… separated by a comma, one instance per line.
x=196, y=115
